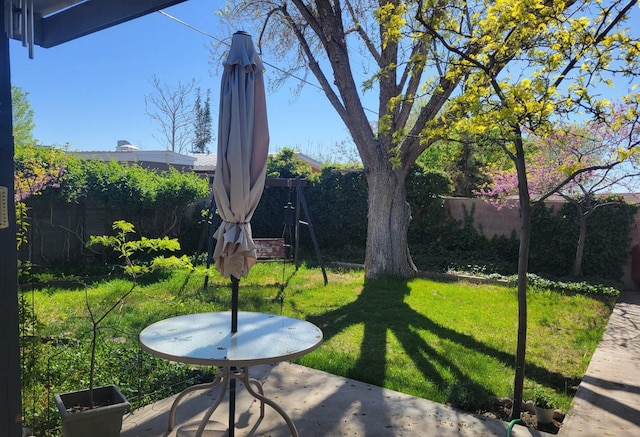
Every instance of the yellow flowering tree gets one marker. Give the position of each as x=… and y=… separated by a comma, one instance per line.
x=522, y=66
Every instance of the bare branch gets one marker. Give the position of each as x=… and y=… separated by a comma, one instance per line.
x=363, y=34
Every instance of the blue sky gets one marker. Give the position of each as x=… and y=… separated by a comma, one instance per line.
x=91, y=92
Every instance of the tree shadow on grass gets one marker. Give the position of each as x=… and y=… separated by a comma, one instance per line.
x=396, y=316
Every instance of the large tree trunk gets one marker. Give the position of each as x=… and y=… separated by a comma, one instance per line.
x=388, y=223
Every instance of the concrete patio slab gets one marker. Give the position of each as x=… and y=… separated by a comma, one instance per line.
x=607, y=402
x=320, y=404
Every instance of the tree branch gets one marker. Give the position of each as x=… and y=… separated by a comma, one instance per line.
x=363, y=34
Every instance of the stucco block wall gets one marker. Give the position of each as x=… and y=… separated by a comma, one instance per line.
x=488, y=218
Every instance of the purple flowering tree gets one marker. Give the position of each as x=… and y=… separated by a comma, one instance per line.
x=579, y=162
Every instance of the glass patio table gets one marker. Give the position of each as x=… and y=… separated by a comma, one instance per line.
x=206, y=339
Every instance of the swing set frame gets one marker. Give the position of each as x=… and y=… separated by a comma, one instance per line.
x=276, y=248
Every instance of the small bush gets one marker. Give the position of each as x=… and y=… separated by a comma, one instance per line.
x=542, y=398
x=577, y=287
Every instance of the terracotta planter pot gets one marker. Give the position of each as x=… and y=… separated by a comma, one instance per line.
x=102, y=421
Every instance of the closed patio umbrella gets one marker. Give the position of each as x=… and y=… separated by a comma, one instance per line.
x=243, y=143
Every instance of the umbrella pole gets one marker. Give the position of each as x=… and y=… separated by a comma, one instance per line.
x=234, y=303
x=235, y=285
x=232, y=404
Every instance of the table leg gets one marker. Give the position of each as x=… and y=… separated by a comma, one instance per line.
x=225, y=374
x=225, y=385
x=259, y=386
x=208, y=385
x=232, y=404
x=260, y=396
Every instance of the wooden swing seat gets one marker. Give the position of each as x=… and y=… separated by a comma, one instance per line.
x=271, y=249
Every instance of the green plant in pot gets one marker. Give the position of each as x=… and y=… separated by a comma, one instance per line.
x=98, y=411
x=545, y=404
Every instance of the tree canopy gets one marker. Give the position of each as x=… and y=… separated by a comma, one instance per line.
x=36, y=167
x=287, y=164
x=22, y=117
x=578, y=161
x=202, y=123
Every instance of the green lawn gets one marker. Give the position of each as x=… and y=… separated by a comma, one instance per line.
x=420, y=337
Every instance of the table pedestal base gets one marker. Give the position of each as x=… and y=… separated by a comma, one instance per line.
x=224, y=375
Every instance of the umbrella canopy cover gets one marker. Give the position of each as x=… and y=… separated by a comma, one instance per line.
x=243, y=145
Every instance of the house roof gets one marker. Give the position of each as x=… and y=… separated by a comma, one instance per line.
x=206, y=162
x=316, y=166
x=148, y=156
x=200, y=162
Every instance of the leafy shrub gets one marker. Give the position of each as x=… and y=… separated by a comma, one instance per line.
x=578, y=287
x=542, y=398
x=338, y=206
x=112, y=185
x=93, y=194
x=424, y=193
x=460, y=247
x=287, y=164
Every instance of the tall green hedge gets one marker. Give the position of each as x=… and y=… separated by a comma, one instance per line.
x=338, y=208
x=114, y=185
x=554, y=238
x=337, y=202
x=154, y=201
x=424, y=193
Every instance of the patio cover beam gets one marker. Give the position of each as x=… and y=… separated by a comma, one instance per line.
x=10, y=406
x=91, y=16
